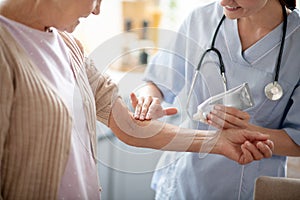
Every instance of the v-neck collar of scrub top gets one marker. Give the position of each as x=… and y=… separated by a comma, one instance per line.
x=257, y=51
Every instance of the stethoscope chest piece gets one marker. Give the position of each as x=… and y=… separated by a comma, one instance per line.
x=273, y=91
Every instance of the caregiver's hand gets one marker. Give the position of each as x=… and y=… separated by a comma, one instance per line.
x=244, y=146
x=149, y=107
x=223, y=117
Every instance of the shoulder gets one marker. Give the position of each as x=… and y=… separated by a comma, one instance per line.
x=11, y=54
x=294, y=20
x=202, y=18
x=201, y=22
x=207, y=13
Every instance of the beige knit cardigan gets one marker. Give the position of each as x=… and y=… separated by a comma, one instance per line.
x=35, y=124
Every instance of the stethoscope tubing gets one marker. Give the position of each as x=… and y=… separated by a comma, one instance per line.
x=278, y=64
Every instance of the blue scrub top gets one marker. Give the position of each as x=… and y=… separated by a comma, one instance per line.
x=207, y=176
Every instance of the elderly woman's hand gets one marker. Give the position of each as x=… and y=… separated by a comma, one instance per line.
x=149, y=107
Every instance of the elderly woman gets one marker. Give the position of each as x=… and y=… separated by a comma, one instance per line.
x=47, y=140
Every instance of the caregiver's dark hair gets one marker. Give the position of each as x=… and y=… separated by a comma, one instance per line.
x=291, y=4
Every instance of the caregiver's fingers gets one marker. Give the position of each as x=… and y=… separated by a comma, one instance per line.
x=256, y=153
x=219, y=122
x=232, y=111
x=266, y=148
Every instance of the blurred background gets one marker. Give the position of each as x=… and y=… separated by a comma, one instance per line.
x=166, y=14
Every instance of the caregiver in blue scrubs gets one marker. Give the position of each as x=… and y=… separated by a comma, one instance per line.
x=253, y=37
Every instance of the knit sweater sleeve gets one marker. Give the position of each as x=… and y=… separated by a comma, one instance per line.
x=6, y=99
x=104, y=89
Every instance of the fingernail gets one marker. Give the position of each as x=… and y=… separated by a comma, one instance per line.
x=217, y=107
x=136, y=115
x=259, y=144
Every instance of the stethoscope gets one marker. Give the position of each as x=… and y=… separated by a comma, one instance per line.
x=273, y=90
